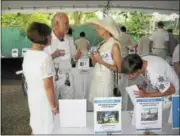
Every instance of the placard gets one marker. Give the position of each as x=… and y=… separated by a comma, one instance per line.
x=148, y=114
x=93, y=49
x=72, y=113
x=14, y=52
x=175, y=112
x=107, y=115
x=24, y=50
x=83, y=63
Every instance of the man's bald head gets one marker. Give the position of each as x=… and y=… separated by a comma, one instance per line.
x=60, y=22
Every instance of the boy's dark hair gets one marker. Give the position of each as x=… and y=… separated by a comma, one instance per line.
x=170, y=30
x=70, y=31
x=131, y=64
x=38, y=32
x=160, y=24
x=123, y=29
x=82, y=34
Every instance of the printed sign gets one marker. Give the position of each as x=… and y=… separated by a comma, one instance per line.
x=14, y=52
x=148, y=114
x=83, y=63
x=175, y=112
x=107, y=115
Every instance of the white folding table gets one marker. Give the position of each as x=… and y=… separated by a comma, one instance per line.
x=127, y=128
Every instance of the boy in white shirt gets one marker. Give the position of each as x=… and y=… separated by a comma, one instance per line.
x=158, y=74
x=176, y=61
x=155, y=71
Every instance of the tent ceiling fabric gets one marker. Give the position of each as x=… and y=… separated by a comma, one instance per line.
x=166, y=7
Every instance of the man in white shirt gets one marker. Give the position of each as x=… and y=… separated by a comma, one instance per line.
x=172, y=42
x=176, y=61
x=159, y=41
x=83, y=44
x=126, y=41
x=156, y=72
x=143, y=45
x=63, y=51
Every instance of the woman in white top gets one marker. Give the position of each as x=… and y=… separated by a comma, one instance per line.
x=107, y=60
x=38, y=70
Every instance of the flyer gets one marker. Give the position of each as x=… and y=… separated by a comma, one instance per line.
x=107, y=115
x=175, y=112
x=130, y=90
x=83, y=63
x=148, y=114
x=93, y=49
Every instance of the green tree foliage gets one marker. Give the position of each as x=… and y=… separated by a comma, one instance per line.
x=134, y=21
x=36, y=17
x=22, y=21
x=78, y=17
x=90, y=16
x=14, y=20
x=137, y=22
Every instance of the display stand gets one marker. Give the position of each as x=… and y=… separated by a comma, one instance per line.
x=107, y=115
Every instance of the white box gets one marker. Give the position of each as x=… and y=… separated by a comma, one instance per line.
x=14, y=52
x=24, y=50
x=72, y=112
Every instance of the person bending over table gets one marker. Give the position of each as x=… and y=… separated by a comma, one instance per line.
x=156, y=72
x=38, y=70
x=107, y=60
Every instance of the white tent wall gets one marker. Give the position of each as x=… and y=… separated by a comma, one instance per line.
x=165, y=7
x=51, y=6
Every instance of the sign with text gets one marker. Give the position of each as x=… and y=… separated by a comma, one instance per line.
x=175, y=112
x=107, y=115
x=83, y=63
x=148, y=114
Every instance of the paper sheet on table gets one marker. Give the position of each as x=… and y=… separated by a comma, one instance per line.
x=72, y=113
x=130, y=90
x=83, y=63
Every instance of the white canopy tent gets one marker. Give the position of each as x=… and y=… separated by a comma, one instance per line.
x=165, y=7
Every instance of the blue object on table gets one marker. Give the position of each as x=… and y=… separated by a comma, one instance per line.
x=175, y=112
